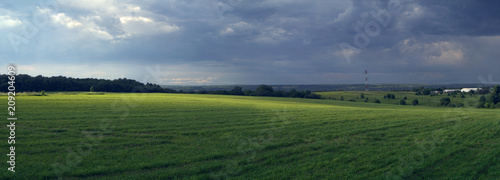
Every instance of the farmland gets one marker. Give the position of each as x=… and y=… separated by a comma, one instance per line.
x=180, y=136
x=424, y=100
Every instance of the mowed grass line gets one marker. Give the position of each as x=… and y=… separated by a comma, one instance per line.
x=175, y=136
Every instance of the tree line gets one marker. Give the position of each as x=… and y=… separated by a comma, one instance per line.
x=27, y=83
x=491, y=100
x=262, y=90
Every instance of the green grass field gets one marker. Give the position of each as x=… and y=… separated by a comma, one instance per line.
x=424, y=100
x=177, y=136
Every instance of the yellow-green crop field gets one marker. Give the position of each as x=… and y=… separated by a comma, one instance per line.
x=179, y=136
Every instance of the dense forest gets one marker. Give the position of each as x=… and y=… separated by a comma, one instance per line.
x=27, y=83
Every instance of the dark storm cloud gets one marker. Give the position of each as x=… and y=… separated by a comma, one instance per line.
x=475, y=18
x=275, y=42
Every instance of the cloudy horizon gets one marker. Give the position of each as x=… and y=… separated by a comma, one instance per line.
x=219, y=42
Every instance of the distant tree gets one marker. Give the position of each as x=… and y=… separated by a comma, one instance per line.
x=405, y=98
x=482, y=99
x=279, y=93
x=264, y=90
x=487, y=105
x=341, y=98
x=237, y=91
x=377, y=101
x=496, y=89
x=362, y=95
x=292, y=92
x=481, y=102
x=313, y=96
x=393, y=96
x=445, y=101
x=307, y=93
x=385, y=96
x=494, y=96
x=426, y=91
x=249, y=93
x=91, y=88
x=462, y=96
x=414, y=102
x=402, y=102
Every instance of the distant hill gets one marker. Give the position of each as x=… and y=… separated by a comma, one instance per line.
x=324, y=87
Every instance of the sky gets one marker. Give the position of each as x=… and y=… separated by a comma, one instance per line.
x=220, y=42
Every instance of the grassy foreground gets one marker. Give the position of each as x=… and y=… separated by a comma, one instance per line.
x=176, y=136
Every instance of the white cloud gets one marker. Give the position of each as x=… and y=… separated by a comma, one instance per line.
x=113, y=20
x=434, y=53
x=126, y=19
x=9, y=22
x=237, y=28
x=201, y=80
x=344, y=15
x=273, y=35
x=145, y=26
x=227, y=31
x=64, y=20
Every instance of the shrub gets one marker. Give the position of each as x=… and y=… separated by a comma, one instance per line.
x=414, y=102
x=402, y=102
x=426, y=91
x=377, y=101
x=445, y=101
x=482, y=99
x=481, y=102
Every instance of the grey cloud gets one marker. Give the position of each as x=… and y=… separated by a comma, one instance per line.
x=293, y=41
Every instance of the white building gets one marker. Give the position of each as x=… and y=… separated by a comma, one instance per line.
x=450, y=90
x=466, y=90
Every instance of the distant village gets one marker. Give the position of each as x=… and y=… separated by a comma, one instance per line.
x=464, y=90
